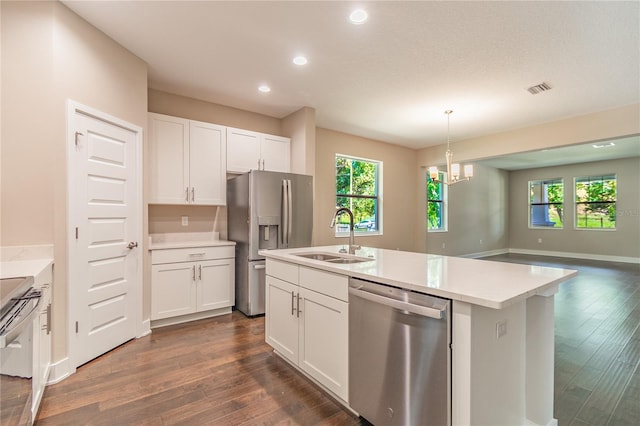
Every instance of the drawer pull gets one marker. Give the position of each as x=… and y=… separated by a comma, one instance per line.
x=196, y=254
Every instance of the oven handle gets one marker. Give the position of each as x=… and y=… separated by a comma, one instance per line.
x=11, y=334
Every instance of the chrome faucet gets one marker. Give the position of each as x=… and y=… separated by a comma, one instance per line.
x=352, y=241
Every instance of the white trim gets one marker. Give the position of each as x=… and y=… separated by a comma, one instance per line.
x=570, y=255
x=552, y=422
x=74, y=107
x=485, y=253
x=60, y=370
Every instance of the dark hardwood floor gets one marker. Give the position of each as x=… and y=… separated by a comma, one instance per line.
x=597, y=342
x=220, y=371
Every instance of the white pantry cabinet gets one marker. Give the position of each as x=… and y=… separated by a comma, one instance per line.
x=247, y=150
x=197, y=280
x=187, y=161
x=308, y=325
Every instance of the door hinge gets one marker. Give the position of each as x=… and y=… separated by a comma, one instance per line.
x=76, y=232
x=78, y=134
x=76, y=327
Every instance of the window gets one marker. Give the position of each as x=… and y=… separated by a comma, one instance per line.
x=596, y=202
x=358, y=189
x=546, y=199
x=436, y=204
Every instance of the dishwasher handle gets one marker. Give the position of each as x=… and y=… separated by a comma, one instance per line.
x=398, y=304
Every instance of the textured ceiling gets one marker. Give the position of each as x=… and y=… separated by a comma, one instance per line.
x=391, y=78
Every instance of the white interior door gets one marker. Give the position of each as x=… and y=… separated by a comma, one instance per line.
x=105, y=248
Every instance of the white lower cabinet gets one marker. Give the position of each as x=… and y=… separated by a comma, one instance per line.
x=309, y=328
x=180, y=286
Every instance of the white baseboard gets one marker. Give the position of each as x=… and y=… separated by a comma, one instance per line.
x=145, y=329
x=485, y=253
x=189, y=317
x=570, y=255
x=60, y=370
x=552, y=422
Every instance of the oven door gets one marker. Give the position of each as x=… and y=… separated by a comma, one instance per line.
x=16, y=359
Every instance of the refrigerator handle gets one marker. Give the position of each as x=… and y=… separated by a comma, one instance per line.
x=290, y=215
x=285, y=213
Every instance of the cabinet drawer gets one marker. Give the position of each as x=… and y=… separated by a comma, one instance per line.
x=283, y=270
x=326, y=283
x=191, y=254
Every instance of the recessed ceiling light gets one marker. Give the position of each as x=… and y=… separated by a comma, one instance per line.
x=358, y=16
x=300, y=60
x=264, y=88
x=604, y=145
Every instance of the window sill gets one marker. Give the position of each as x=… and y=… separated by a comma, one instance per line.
x=358, y=234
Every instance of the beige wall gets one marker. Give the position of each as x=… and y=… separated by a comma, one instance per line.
x=50, y=55
x=478, y=215
x=301, y=128
x=623, y=242
x=194, y=109
x=398, y=205
x=602, y=125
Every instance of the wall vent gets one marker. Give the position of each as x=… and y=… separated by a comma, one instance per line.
x=539, y=88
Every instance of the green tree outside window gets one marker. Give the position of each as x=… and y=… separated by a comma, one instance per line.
x=357, y=188
x=596, y=202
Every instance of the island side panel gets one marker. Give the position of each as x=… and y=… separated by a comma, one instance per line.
x=461, y=364
x=540, y=360
x=488, y=371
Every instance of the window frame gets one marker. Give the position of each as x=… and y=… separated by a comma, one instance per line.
x=377, y=197
x=530, y=204
x=444, y=200
x=601, y=177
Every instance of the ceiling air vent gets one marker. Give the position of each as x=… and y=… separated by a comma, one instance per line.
x=539, y=88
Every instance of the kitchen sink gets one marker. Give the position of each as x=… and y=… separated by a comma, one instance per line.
x=348, y=260
x=333, y=258
x=319, y=256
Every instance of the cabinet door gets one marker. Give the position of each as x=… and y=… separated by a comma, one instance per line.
x=281, y=320
x=323, y=352
x=243, y=150
x=168, y=159
x=275, y=153
x=215, y=287
x=173, y=289
x=207, y=163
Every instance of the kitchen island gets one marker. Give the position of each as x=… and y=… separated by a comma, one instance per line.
x=502, y=324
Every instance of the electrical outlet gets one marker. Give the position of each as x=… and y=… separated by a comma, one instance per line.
x=501, y=328
x=442, y=245
x=481, y=241
x=539, y=240
x=185, y=220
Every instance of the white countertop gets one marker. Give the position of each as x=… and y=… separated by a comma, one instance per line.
x=24, y=268
x=186, y=240
x=187, y=244
x=480, y=282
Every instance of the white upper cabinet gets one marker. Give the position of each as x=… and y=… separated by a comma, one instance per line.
x=187, y=161
x=247, y=150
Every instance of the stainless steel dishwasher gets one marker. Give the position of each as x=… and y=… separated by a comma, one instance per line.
x=399, y=355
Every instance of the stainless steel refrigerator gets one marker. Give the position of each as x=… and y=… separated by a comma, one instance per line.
x=265, y=210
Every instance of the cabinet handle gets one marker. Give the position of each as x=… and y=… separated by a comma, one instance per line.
x=200, y=272
x=298, y=307
x=259, y=164
x=194, y=272
x=187, y=194
x=193, y=194
x=293, y=297
x=263, y=165
x=49, y=318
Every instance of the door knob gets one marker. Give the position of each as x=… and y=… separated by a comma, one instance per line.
x=132, y=245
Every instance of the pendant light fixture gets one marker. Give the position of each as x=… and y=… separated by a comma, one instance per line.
x=453, y=169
